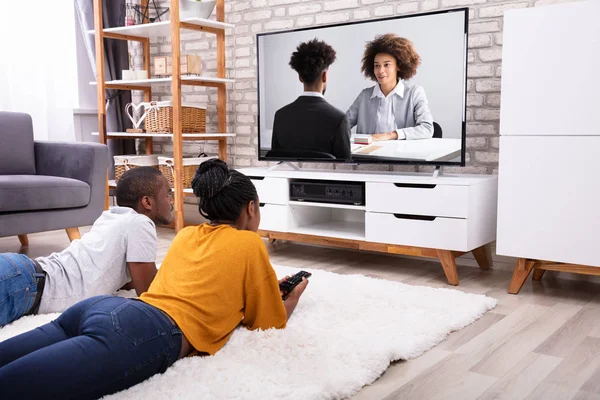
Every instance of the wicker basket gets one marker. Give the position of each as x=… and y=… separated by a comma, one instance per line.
x=166, y=165
x=159, y=118
x=124, y=163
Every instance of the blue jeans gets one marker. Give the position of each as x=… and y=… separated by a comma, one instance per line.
x=97, y=347
x=18, y=286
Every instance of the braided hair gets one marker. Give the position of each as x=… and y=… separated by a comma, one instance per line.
x=223, y=192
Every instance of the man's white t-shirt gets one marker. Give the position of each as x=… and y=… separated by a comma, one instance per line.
x=96, y=264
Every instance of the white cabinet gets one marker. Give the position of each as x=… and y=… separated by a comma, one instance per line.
x=549, y=198
x=549, y=172
x=413, y=214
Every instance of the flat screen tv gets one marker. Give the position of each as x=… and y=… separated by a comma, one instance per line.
x=420, y=119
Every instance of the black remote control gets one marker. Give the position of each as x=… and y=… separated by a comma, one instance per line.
x=287, y=286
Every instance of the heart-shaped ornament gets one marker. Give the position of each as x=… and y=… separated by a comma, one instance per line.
x=135, y=108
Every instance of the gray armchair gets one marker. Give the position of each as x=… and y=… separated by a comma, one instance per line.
x=47, y=185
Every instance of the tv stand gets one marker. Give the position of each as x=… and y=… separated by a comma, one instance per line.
x=414, y=214
x=288, y=163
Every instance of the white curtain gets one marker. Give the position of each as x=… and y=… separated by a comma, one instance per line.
x=38, y=70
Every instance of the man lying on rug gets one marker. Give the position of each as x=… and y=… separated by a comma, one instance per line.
x=120, y=248
x=214, y=277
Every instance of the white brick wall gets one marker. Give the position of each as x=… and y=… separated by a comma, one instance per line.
x=340, y=4
x=305, y=9
x=255, y=16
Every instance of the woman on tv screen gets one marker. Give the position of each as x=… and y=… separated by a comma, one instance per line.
x=392, y=109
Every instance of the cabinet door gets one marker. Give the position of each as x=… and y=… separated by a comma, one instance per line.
x=272, y=190
x=549, y=198
x=550, y=70
x=274, y=217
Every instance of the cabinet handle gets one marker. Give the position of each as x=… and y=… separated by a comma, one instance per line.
x=262, y=204
x=256, y=178
x=417, y=217
x=415, y=185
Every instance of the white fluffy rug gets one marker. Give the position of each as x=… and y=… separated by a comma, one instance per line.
x=343, y=335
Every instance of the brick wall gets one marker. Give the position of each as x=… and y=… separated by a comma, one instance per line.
x=254, y=16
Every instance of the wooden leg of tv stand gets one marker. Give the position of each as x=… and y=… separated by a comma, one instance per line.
x=538, y=273
x=483, y=256
x=446, y=257
x=522, y=271
x=448, y=260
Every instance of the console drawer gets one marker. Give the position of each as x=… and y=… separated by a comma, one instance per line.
x=435, y=200
x=433, y=232
x=272, y=190
x=274, y=217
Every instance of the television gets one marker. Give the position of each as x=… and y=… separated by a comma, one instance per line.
x=439, y=38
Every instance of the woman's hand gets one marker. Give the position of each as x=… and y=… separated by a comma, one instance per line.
x=283, y=280
x=393, y=135
x=293, y=297
x=298, y=290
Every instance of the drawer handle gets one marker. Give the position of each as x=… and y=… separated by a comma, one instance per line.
x=417, y=217
x=256, y=178
x=262, y=204
x=416, y=185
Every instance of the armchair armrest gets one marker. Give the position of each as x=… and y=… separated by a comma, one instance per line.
x=86, y=162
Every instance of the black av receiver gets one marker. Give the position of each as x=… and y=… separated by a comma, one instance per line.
x=336, y=192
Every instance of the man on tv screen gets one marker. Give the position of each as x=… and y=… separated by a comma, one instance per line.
x=310, y=126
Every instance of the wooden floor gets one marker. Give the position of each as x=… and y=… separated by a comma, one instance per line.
x=541, y=344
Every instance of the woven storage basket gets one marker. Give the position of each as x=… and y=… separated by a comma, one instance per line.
x=124, y=163
x=159, y=118
x=166, y=165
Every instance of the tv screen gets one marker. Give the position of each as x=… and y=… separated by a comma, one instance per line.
x=395, y=93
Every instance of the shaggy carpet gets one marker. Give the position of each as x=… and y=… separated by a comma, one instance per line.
x=343, y=335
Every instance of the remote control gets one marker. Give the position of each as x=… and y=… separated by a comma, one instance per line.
x=287, y=286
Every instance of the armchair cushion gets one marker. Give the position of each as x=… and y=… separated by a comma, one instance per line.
x=16, y=151
x=38, y=192
x=67, y=160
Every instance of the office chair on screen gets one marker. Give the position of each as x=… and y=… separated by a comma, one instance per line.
x=437, y=130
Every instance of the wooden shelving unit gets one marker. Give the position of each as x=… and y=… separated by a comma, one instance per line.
x=143, y=34
x=143, y=84
x=186, y=192
x=184, y=136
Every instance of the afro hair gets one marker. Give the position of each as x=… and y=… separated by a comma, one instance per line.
x=312, y=58
x=400, y=48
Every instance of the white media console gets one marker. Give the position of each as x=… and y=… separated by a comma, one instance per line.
x=414, y=214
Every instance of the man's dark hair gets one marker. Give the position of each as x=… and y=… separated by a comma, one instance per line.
x=135, y=184
x=223, y=192
x=312, y=58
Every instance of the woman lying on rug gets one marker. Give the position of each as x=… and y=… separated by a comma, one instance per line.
x=214, y=277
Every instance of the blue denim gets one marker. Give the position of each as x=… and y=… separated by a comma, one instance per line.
x=97, y=347
x=18, y=286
